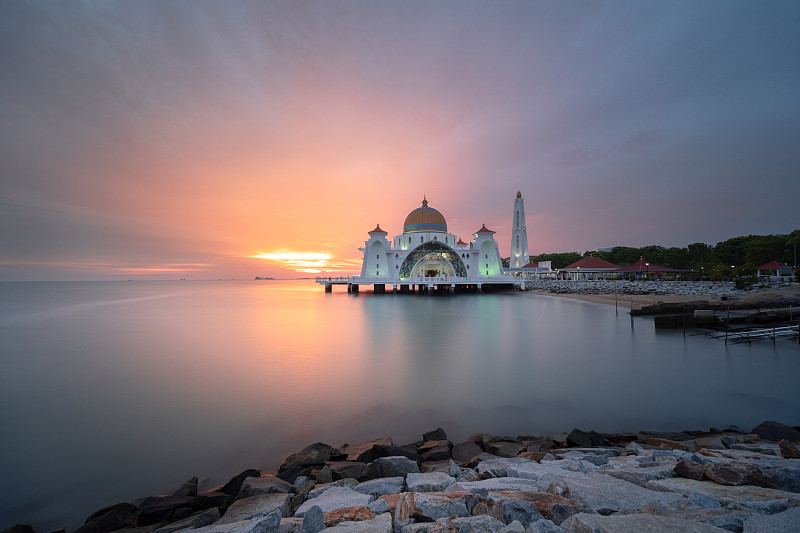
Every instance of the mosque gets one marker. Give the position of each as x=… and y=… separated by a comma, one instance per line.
x=427, y=257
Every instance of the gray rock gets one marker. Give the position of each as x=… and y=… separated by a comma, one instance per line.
x=504, y=448
x=704, y=501
x=513, y=527
x=395, y=466
x=432, y=482
x=544, y=526
x=380, y=524
x=379, y=506
x=546, y=472
x=741, y=497
x=203, y=518
x=315, y=454
x=634, y=449
x=449, y=467
x=786, y=522
x=498, y=466
x=436, y=434
x=187, y=489
x=313, y=520
x=347, y=469
x=633, y=523
x=465, y=451
x=319, y=489
x=363, y=451
x=521, y=511
x=428, y=507
x=291, y=525
x=775, y=432
x=381, y=486
x=253, y=486
x=484, y=486
x=256, y=506
x=335, y=498
x=606, y=493
x=269, y=523
x=325, y=475
x=606, y=451
x=640, y=476
x=477, y=524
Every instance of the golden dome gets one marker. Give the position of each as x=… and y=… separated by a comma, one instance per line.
x=424, y=219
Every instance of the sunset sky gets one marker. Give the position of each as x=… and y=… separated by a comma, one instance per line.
x=172, y=139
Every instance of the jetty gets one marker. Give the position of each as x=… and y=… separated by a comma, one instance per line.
x=425, y=284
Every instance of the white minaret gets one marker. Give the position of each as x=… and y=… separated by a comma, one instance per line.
x=519, y=236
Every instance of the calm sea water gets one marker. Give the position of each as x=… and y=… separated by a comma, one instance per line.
x=115, y=390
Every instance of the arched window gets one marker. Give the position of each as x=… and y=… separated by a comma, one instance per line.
x=517, y=218
x=435, y=238
x=518, y=241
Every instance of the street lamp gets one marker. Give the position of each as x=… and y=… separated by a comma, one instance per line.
x=579, y=273
x=733, y=272
x=647, y=272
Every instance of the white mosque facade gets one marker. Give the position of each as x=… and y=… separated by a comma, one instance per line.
x=427, y=253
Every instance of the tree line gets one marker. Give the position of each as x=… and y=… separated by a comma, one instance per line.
x=734, y=257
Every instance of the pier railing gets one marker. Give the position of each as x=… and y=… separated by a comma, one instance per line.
x=417, y=280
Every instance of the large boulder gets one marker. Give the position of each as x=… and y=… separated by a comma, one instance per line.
x=775, y=432
x=789, y=450
x=335, y=498
x=436, y=434
x=553, y=507
x=109, y=518
x=465, y=451
x=256, y=507
x=431, y=506
x=253, y=486
x=380, y=524
x=363, y=451
x=381, y=486
x=605, y=494
x=786, y=522
x=635, y=522
x=314, y=455
x=233, y=486
x=199, y=519
x=396, y=466
x=430, y=482
x=504, y=448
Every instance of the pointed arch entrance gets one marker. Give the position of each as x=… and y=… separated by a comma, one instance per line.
x=432, y=259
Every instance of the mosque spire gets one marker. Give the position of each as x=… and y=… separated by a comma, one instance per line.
x=519, y=236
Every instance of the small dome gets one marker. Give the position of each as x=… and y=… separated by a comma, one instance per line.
x=424, y=219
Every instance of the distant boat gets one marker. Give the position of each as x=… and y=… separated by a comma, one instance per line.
x=259, y=277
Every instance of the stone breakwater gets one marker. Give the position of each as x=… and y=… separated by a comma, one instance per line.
x=712, y=481
x=699, y=289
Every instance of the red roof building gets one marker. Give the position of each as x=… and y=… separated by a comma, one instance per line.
x=589, y=268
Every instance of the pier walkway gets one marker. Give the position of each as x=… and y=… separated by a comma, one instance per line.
x=750, y=335
x=425, y=285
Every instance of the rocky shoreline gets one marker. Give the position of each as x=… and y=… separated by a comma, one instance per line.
x=696, y=481
x=639, y=295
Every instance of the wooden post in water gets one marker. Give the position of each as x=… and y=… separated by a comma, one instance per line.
x=727, y=324
x=631, y=312
x=616, y=310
